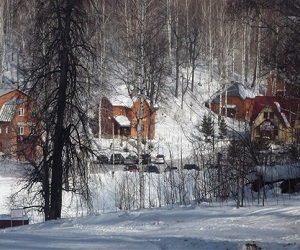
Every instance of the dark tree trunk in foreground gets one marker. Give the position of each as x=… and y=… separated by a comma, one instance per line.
x=59, y=78
x=58, y=143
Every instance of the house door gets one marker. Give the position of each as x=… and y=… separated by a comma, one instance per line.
x=124, y=131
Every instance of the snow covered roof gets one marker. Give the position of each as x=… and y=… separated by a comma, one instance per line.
x=123, y=97
x=7, y=112
x=279, y=172
x=234, y=89
x=125, y=101
x=122, y=120
x=286, y=122
x=230, y=106
x=122, y=100
x=8, y=109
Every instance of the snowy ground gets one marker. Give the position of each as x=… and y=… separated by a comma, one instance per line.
x=205, y=227
x=275, y=226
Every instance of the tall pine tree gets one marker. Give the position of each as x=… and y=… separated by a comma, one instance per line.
x=222, y=128
x=207, y=127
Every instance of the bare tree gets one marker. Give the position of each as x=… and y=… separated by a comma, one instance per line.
x=59, y=58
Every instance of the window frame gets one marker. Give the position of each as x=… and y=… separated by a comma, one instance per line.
x=21, y=130
x=21, y=111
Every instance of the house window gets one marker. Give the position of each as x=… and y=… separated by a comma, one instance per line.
x=271, y=115
x=21, y=112
x=297, y=135
x=20, y=130
x=7, y=130
x=265, y=115
x=33, y=130
x=121, y=111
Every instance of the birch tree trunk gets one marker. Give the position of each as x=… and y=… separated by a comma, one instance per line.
x=142, y=10
x=258, y=60
x=211, y=57
x=169, y=28
x=242, y=53
x=177, y=50
x=1, y=41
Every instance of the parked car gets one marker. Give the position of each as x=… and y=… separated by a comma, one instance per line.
x=102, y=159
x=146, y=158
x=131, y=159
x=151, y=168
x=117, y=159
x=131, y=168
x=170, y=168
x=160, y=159
x=191, y=166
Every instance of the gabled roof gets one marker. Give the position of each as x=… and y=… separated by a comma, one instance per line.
x=122, y=100
x=286, y=109
x=8, y=109
x=234, y=89
x=125, y=101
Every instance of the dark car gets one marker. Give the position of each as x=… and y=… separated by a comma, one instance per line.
x=131, y=168
x=131, y=159
x=117, y=159
x=102, y=159
x=151, y=168
x=191, y=166
x=146, y=158
x=170, y=168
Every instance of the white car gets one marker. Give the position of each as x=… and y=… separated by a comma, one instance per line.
x=160, y=159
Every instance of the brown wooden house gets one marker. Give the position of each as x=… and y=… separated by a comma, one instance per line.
x=276, y=119
x=238, y=104
x=17, y=126
x=119, y=117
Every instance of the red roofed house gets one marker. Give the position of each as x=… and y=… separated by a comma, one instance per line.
x=276, y=119
x=119, y=116
x=17, y=126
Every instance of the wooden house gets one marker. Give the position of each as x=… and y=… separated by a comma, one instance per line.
x=233, y=101
x=17, y=126
x=275, y=119
x=119, y=117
